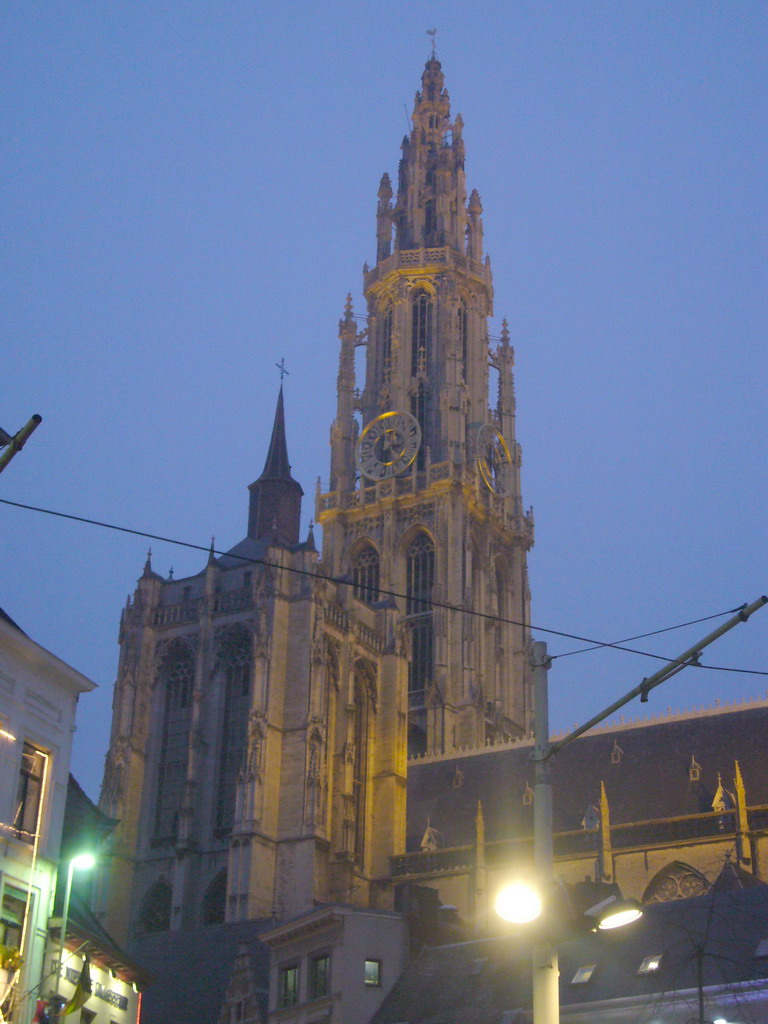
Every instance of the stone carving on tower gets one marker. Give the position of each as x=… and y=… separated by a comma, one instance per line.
x=424, y=514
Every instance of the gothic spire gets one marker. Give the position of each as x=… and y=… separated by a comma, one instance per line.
x=277, y=466
x=275, y=502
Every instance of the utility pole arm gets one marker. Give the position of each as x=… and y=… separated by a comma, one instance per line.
x=16, y=443
x=689, y=657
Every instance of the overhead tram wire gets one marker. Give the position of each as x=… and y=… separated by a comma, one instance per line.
x=390, y=593
x=642, y=636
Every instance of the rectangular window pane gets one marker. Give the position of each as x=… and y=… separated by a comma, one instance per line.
x=319, y=976
x=29, y=793
x=373, y=972
x=288, y=986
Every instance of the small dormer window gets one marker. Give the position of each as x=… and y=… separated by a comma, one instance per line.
x=694, y=772
x=650, y=964
x=616, y=753
x=591, y=818
x=527, y=796
x=458, y=778
x=583, y=975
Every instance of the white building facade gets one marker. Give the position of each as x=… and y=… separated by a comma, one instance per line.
x=38, y=701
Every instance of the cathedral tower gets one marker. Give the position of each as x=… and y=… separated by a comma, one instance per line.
x=425, y=499
x=264, y=707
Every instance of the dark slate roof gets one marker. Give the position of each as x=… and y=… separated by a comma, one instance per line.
x=193, y=969
x=650, y=780
x=85, y=826
x=246, y=551
x=483, y=981
x=84, y=929
x=7, y=618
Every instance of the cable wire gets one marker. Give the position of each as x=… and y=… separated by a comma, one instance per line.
x=427, y=602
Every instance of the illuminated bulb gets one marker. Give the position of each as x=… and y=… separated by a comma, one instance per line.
x=518, y=903
x=620, y=917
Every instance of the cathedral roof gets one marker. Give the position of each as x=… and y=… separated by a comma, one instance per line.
x=646, y=770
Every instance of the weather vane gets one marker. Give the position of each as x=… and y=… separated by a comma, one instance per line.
x=282, y=369
x=432, y=32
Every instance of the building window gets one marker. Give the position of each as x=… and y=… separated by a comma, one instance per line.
x=373, y=973
x=214, y=901
x=29, y=793
x=234, y=656
x=463, y=349
x=12, y=913
x=420, y=579
x=319, y=976
x=175, y=678
x=583, y=975
x=420, y=412
x=365, y=574
x=385, y=346
x=155, y=913
x=421, y=334
x=363, y=684
x=288, y=986
x=650, y=964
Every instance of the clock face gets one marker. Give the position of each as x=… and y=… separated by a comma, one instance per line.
x=494, y=460
x=388, y=445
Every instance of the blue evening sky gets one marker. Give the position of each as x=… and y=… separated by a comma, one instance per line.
x=189, y=193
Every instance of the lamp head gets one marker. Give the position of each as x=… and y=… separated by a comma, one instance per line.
x=518, y=903
x=615, y=912
x=83, y=861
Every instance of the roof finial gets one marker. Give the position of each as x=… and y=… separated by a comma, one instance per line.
x=282, y=369
x=432, y=32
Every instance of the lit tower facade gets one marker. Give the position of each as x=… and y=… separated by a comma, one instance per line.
x=424, y=512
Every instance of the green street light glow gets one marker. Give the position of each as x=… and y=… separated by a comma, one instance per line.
x=518, y=903
x=83, y=861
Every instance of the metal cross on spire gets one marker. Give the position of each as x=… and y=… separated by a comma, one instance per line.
x=432, y=32
x=282, y=369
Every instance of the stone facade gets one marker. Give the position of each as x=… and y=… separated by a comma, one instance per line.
x=264, y=708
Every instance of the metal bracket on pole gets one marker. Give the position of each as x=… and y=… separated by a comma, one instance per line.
x=16, y=443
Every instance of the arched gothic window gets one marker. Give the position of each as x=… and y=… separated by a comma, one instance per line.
x=175, y=678
x=365, y=574
x=677, y=881
x=420, y=411
x=385, y=345
x=420, y=579
x=234, y=670
x=421, y=333
x=360, y=772
x=215, y=900
x=155, y=912
x=463, y=341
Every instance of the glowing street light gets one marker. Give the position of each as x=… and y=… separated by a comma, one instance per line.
x=518, y=903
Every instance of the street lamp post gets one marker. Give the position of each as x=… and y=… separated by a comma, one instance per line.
x=546, y=994
x=81, y=862
x=546, y=972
